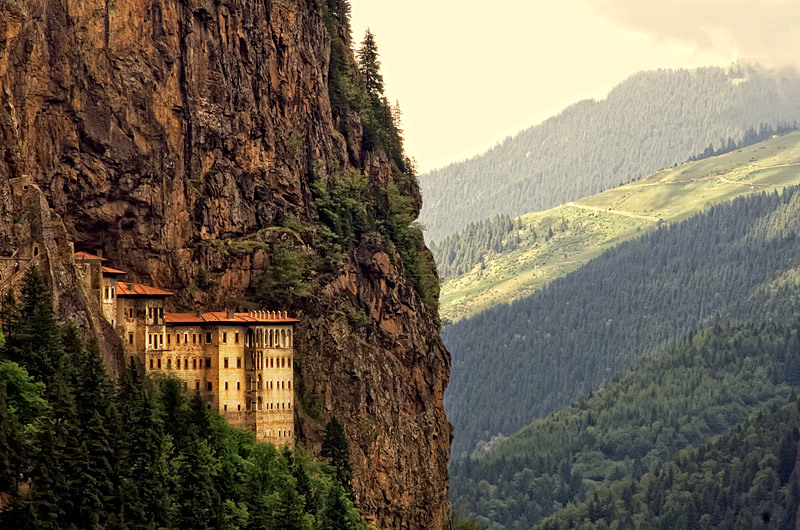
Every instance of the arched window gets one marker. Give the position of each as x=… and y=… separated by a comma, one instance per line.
x=289, y=335
x=283, y=338
x=259, y=382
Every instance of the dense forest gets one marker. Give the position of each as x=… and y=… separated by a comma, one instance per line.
x=81, y=452
x=650, y=121
x=699, y=388
x=749, y=478
x=518, y=362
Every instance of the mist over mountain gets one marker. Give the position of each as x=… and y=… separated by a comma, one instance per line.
x=651, y=120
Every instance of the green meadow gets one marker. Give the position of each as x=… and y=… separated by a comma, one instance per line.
x=554, y=242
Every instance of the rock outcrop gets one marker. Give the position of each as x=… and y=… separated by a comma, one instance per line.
x=161, y=131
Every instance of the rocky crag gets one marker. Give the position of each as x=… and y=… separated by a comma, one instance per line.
x=187, y=141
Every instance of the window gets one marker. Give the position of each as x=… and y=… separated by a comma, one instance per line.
x=113, y=292
x=208, y=338
x=226, y=385
x=238, y=362
x=271, y=362
x=194, y=338
x=167, y=339
x=105, y=293
x=197, y=385
x=236, y=338
x=208, y=362
x=289, y=383
x=150, y=339
x=283, y=362
x=186, y=364
x=239, y=406
x=226, y=360
x=194, y=364
x=161, y=339
x=186, y=338
x=209, y=385
x=130, y=338
x=151, y=364
x=149, y=312
x=161, y=312
x=224, y=407
x=158, y=362
x=169, y=364
x=238, y=385
x=224, y=338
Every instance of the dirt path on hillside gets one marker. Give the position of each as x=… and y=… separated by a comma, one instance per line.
x=611, y=210
x=722, y=178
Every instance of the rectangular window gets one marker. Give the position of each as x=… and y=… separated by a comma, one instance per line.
x=226, y=385
x=238, y=362
x=149, y=312
x=150, y=339
x=209, y=385
x=113, y=292
x=161, y=340
x=169, y=364
x=238, y=385
x=236, y=338
x=168, y=339
x=151, y=364
x=224, y=407
x=239, y=406
x=208, y=338
x=226, y=362
x=186, y=338
x=197, y=385
x=186, y=364
x=208, y=362
x=105, y=293
x=194, y=364
x=194, y=338
x=158, y=362
x=224, y=338
x=130, y=338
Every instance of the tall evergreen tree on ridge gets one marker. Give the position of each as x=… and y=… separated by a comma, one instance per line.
x=369, y=65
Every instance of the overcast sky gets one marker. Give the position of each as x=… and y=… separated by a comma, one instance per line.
x=467, y=73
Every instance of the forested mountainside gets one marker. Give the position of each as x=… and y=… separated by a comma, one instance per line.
x=238, y=154
x=650, y=121
x=697, y=389
x=750, y=478
x=79, y=451
x=504, y=259
x=518, y=362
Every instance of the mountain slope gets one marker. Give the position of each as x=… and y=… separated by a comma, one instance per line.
x=650, y=121
x=539, y=247
x=750, y=478
x=542, y=352
x=230, y=152
x=695, y=390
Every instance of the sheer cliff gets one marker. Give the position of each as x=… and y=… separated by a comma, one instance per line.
x=196, y=145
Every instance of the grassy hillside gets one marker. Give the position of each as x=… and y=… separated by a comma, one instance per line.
x=552, y=243
x=517, y=362
x=697, y=389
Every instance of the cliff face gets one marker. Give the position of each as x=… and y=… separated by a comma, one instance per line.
x=161, y=131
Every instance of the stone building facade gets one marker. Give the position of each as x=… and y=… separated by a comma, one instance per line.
x=240, y=363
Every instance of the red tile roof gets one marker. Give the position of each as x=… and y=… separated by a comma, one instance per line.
x=109, y=270
x=137, y=289
x=221, y=317
x=85, y=256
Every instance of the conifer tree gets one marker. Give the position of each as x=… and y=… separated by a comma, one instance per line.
x=289, y=514
x=370, y=66
x=337, y=450
x=197, y=497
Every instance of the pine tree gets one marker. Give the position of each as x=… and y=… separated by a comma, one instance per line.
x=336, y=515
x=370, y=66
x=198, y=499
x=289, y=514
x=336, y=449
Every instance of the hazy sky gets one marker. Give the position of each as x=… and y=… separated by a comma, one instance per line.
x=467, y=74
